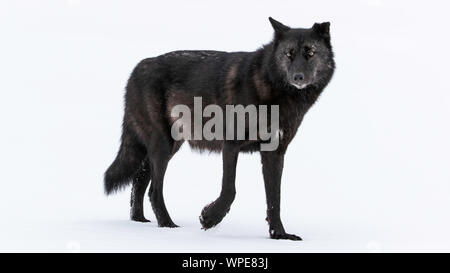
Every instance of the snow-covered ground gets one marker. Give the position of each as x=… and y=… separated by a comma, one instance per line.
x=368, y=171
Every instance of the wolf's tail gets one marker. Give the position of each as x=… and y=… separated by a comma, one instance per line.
x=127, y=163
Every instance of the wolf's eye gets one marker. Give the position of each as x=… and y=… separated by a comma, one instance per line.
x=289, y=54
x=309, y=52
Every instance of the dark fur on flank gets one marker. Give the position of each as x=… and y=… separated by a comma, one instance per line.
x=291, y=71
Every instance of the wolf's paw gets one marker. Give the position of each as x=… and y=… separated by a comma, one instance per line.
x=138, y=216
x=210, y=217
x=141, y=219
x=168, y=224
x=284, y=236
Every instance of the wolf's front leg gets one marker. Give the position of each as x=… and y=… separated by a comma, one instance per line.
x=272, y=164
x=213, y=213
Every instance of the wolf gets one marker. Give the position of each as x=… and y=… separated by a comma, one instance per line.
x=290, y=71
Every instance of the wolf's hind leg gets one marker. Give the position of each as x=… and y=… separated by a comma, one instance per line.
x=159, y=155
x=140, y=183
x=213, y=213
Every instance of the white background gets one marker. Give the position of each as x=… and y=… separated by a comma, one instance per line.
x=368, y=171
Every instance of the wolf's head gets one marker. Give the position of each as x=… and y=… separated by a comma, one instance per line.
x=303, y=57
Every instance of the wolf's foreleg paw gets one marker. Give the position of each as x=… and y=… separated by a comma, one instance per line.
x=284, y=236
x=212, y=215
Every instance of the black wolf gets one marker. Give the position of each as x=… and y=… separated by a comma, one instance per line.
x=291, y=71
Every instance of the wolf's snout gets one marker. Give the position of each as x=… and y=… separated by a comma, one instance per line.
x=298, y=81
x=298, y=78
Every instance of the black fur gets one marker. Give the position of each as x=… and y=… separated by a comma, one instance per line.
x=291, y=71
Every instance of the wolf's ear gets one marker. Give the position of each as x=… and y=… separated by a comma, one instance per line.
x=323, y=29
x=278, y=27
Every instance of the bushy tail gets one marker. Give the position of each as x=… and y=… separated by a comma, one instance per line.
x=127, y=162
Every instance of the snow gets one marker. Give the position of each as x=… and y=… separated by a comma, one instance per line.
x=367, y=172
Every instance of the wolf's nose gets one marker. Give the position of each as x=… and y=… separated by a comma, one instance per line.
x=298, y=77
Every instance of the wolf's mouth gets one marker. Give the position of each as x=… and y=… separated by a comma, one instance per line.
x=299, y=86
